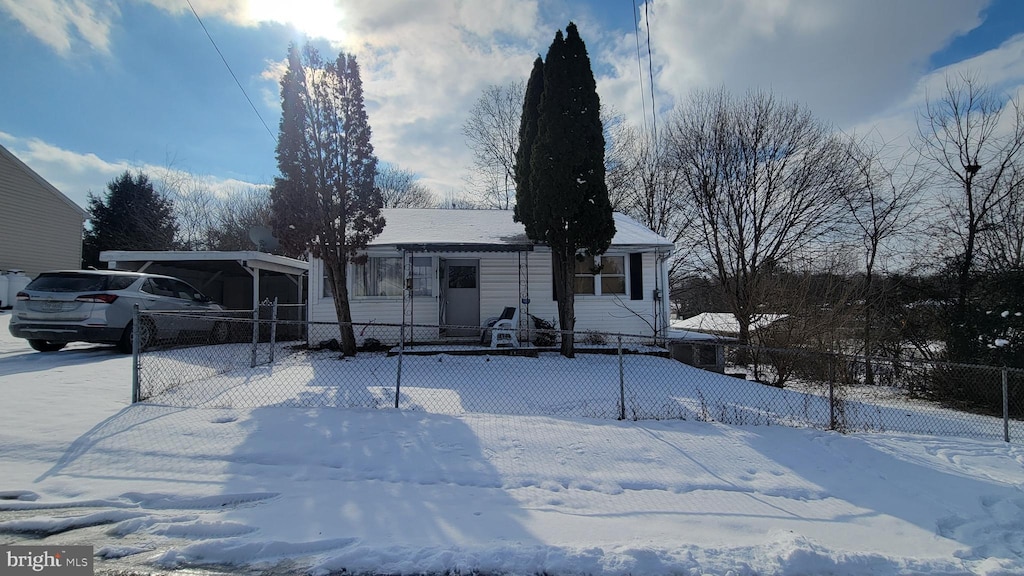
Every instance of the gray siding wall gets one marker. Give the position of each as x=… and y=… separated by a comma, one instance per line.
x=38, y=230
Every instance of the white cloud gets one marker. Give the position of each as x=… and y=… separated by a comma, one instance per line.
x=845, y=60
x=62, y=24
x=424, y=62
x=1001, y=68
x=77, y=174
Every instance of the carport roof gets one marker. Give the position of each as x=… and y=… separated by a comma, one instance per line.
x=209, y=259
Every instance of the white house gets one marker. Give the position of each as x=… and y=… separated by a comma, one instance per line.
x=463, y=266
x=724, y=323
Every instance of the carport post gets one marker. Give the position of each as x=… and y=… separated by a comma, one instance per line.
x=255, y=332
x=135, y=353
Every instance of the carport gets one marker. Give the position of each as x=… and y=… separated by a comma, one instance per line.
x=238, y=280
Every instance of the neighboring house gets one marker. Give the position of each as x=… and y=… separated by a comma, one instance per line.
x=40, y=228
x=724, y=323
x=705, y=351
x=464, y=266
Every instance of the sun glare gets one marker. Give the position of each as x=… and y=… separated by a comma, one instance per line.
x=316, y=18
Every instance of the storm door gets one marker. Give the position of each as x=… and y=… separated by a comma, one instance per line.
x=461, y=297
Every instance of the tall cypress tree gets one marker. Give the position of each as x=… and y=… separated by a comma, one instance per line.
x=324, y=201
x=571, y=212
x=527, y=137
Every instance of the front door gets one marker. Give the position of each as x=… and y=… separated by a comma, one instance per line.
x=461, y=305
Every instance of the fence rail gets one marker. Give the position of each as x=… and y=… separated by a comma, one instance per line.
x=257, y=359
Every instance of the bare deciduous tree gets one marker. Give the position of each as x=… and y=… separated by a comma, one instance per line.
x=765, y=180
x=881, y=208
x=492, y=133
x=194, y=208
x=237, y=214
x=975, y=138
x=399, y=188
x=1001, y=248
x=646, y=184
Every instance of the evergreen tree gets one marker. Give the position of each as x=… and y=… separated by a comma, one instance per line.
x=570, y=209
x=132, y=215
x=325, y=202
x=527, y=137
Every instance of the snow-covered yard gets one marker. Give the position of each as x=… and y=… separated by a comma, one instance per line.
x=360, y=489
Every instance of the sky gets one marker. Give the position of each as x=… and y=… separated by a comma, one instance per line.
x=95, y=87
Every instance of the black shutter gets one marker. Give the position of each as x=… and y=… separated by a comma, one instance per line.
x=554, y=290
x=636, y=276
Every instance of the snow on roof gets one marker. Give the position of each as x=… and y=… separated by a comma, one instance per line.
x=690, y=335
x=493, y=227
x=723, y=322
x=252, y=257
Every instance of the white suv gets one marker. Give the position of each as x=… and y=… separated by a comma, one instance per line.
x=97, y=306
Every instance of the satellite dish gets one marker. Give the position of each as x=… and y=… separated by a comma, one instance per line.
x=263, y=238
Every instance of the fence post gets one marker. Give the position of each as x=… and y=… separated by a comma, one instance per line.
x=831, y=393
x=255, y=333
x=622, y=384
x=1006, y=407
x=134, y=354
x=401, y=347
x=273, y=329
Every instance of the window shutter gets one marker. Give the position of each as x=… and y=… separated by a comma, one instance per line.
x=636, y=276
x=554, y=290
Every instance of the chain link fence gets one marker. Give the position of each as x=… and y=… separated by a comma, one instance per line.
x=273, y=358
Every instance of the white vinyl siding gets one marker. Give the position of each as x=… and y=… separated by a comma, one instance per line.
x=617, y=314
x=499, y=287
x=41, y=230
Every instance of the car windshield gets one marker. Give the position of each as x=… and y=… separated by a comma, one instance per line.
x=72, y=282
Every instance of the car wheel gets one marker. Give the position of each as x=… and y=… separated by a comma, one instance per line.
x=46, y=345
x=147, y=336
x=219, y=334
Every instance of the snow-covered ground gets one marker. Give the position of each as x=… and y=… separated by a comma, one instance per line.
x=325, y=490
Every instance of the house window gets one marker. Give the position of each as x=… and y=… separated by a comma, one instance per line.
x=378, y=277
x=613, y=274
x=601, y=275
x=422, y=276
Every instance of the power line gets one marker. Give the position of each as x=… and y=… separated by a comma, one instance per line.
x=639, y=63
x=650, y=69
x=232, y=72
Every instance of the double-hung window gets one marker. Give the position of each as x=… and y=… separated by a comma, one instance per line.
x=601, y=275
x=422, y=276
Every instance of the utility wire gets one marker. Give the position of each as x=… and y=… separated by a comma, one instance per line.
x=639, y=63
x=650, y=70
x=232, y=72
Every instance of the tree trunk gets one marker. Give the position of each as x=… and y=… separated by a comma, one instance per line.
x=564, y=266
x=337, y=275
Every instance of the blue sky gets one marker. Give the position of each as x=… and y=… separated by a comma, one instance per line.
x=93, y=87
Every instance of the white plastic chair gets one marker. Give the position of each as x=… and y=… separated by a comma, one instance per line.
x=505, y=328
